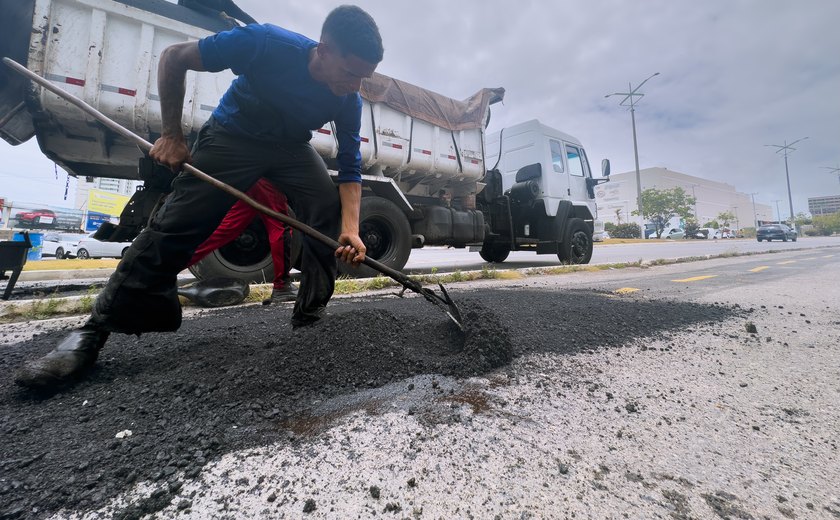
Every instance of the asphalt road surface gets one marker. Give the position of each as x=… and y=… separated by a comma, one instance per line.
x=450, y=259
x=697, y=390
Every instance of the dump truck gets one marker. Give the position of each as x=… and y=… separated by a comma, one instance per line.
x=432, y=175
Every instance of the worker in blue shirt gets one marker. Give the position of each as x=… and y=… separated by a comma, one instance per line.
x=286, y=86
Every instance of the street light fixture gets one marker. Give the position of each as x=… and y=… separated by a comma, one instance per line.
x=833, y=170
x=630, y=100
x=784, y=149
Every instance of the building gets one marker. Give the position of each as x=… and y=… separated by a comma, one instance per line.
x=617, y=199
x=824, y=205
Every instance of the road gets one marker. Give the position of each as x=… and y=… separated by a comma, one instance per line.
x=637, y=393
x=450, y=259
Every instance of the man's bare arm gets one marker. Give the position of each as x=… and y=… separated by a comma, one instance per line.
x=171, y=148
x=353, y=249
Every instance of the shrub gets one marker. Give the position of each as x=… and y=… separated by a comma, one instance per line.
x=626, y=231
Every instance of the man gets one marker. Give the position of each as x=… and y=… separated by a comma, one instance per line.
x=279, y=237
x=287, y=86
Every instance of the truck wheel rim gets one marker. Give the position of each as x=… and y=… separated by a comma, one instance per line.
x=376, y=235
x=580, y=246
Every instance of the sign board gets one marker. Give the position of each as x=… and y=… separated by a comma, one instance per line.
x=94, y=220
x=107, y=203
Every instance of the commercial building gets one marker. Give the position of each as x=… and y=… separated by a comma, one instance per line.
x=824, y=205
x=617, y=198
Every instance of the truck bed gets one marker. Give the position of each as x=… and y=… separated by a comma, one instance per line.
x=106, y=52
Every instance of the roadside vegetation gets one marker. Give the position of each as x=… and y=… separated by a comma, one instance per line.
x=53, y=306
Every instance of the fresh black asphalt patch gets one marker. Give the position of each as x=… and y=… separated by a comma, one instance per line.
x=232, y=378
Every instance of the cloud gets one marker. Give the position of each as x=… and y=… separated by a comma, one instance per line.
x=735, y=75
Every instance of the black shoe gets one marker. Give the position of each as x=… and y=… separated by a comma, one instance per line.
x=72, y=358
x=216, y=292
x=300, y=319
x=288, y=293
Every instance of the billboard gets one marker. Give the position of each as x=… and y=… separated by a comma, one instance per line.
x=106, y=203
x=29, y=216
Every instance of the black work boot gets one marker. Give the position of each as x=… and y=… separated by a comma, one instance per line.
x=71, y=358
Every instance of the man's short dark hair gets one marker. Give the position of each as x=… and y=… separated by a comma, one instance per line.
x=353, y=31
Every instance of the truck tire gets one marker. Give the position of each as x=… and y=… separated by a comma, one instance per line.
x=576, y=247
x=386, y=233
x=494, y=252
x=248, y=258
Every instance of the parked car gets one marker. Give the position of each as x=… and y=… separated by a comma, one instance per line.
x=89, y=247
x=600, y=237
x=36, y=217
x=770, y=232
x=673, y=234
x=61, y=245
x=708, y=232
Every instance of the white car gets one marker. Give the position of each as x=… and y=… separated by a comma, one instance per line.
x=89, y=247
x=61, y=245
x=600, y=237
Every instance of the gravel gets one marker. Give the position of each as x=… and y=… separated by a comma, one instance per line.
x=539, y=410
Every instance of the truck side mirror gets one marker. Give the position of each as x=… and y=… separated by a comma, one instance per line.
x=605, y=168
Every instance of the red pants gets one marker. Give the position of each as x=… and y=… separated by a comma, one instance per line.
x=238, y=219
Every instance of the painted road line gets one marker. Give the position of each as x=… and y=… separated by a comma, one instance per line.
x=787, y=262
x=695, y=278
x=829, y=256
x=759, y=268
x=625, y=290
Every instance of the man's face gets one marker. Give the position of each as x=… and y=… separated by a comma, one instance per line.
x=344, y=72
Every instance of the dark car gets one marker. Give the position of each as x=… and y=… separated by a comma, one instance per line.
x=770, y=232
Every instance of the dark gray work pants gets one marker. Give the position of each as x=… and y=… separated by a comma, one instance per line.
x=141, y=296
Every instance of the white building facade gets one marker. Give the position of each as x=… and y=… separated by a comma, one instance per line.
x=617, y=199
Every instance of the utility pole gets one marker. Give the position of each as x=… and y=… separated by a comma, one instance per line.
x=630, y=97
x=694, y=196
x=784, y=149
x=778, y=215
x=755, y=215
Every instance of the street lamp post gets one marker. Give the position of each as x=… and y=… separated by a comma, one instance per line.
x=778, y=214
x=736, y=218
x=784, y=149
x=629, y=97
x=833, y=171
x=755, y=215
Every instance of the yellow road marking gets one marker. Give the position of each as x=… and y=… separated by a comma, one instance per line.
x=787, y=262
x=625, y=290
x=759, y=268
x=695, y=278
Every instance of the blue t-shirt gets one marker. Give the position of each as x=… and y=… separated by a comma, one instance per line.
x=274, y=98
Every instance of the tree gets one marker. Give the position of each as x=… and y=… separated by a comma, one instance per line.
x=660, y=206
x=618, y=215
x=801, y=219
x=725, y=218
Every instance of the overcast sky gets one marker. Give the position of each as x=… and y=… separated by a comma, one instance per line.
x=734, y=75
